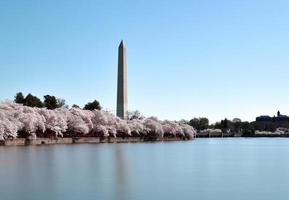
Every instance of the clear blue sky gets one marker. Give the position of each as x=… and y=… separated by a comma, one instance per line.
x=186, y=58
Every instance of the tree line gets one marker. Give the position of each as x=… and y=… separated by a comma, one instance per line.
x=51, y=102
x=236, y=125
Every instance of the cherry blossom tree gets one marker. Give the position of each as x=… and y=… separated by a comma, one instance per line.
x=17, y=120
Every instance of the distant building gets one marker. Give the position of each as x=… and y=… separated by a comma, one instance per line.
x=279, y=119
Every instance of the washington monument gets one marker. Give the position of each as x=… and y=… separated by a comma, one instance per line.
x=121, y=108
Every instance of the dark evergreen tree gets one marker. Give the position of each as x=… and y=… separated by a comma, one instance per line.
x=50, y=102
x=75, y=106
x=204, y=123
x=199, y=123
x=19, y=98
x=195, y=122
x=33, y=101
x=92, y=106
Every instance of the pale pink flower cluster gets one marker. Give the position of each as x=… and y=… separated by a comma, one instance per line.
x=16, y=119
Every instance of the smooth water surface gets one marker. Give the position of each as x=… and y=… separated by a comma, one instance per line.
x=225, y=169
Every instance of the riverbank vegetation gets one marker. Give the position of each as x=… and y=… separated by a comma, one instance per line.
x=30, y=117
x=22, y=121
x=237, y=127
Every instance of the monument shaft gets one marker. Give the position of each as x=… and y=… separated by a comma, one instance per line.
x=121, y=109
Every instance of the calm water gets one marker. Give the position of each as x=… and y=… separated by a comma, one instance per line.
x=235, y=168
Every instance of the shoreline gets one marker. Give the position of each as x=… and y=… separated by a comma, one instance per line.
x=85, y=140
x=113, y=140
x=224, y=135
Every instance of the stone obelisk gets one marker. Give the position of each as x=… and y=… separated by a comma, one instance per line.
x=121, y=108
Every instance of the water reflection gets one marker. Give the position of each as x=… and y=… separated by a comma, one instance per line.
x=203, y=169
x=121, y=168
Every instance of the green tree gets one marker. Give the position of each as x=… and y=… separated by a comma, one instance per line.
x=33, y=101
x=50, y=102
x=204, y=123
x=75, y=106
x=195, y=122
x=199, y=123
x=92, y=106
x=217, y=125
x=226, y=125
x=247, y=129
x=19, y=98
